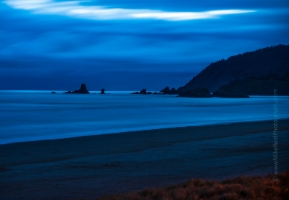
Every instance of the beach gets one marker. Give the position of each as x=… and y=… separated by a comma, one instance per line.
x=92, y=166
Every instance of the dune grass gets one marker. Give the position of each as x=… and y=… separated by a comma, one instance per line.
x=241, y=188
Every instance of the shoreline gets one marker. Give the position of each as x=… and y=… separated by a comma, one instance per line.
x=139, y=131
x=92, y=166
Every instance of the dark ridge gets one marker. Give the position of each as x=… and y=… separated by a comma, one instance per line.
x=259, y=64
x=230, y=92
x=197, y=92
x=260, y=86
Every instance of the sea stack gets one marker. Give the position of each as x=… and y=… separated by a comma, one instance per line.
x=143, y=91
x=167, y=90
x=82, y=90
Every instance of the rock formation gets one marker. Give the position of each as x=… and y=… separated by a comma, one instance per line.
x=102, y=91
x=167, y=90
x=143, y=91
x=82, y=90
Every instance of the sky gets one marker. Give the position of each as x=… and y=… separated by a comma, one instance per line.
x=128, y=44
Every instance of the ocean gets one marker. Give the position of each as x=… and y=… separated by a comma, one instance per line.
x=40, y=115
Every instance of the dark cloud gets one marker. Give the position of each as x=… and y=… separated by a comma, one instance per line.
x=47, y=46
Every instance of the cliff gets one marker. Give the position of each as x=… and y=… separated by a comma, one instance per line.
x=258, y=64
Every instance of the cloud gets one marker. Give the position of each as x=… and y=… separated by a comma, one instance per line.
x=137, y=39
x=75, y=9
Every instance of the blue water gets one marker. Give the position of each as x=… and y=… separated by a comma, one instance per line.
x=39, y=115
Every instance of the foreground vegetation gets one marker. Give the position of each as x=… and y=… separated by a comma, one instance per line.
x=256, y=188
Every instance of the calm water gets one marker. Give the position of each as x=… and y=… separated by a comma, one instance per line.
x=38, y=115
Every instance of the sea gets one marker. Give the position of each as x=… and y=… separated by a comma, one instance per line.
x=30, y=115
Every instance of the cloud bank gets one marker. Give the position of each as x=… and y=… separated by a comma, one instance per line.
x=75, y=9
x=129, y=44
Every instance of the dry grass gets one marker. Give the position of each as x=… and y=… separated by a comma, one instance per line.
x=241, y=188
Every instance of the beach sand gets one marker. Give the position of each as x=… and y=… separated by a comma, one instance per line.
x=88, y=167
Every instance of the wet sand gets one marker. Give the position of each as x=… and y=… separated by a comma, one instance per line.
x=88, y=167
